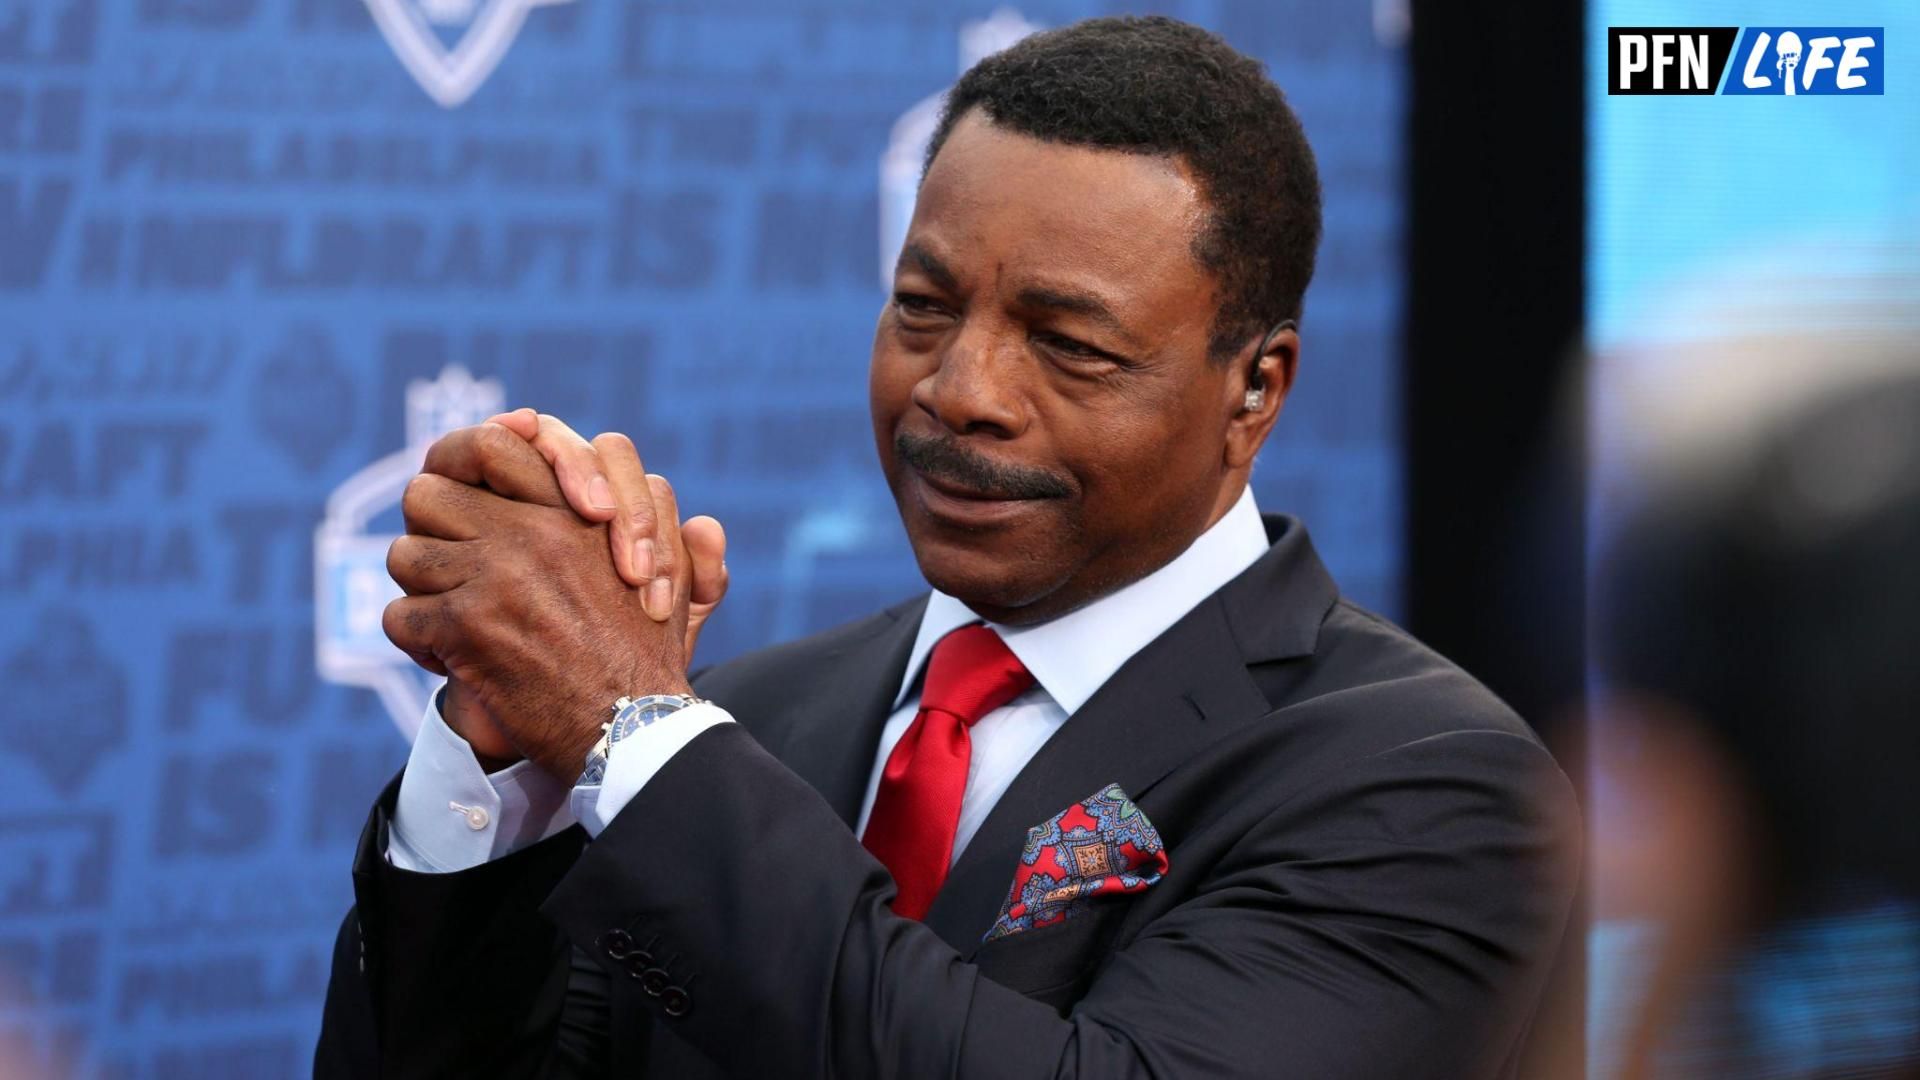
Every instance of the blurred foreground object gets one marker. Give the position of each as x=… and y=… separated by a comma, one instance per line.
x=1758, y=639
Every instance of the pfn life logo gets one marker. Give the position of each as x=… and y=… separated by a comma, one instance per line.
x=1784, y=60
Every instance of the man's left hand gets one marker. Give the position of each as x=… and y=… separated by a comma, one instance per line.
x=513, y=594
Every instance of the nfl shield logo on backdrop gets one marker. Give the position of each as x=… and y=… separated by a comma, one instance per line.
x=350, y=583
x=451, y=46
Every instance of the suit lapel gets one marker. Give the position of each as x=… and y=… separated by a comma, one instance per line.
x=1185, y=689
x=1161, y=706
x=834, y=728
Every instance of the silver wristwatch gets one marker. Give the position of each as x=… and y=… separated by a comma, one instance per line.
x=630, y=714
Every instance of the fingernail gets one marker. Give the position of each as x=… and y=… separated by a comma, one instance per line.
x=600, y=494
x=643, y=558
x=659, y=601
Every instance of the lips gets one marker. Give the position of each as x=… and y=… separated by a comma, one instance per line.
x=953, y=503
x=960, y=491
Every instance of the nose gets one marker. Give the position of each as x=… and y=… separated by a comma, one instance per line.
x=976, y=388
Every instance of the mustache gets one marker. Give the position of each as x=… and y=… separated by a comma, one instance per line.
x=949, y=460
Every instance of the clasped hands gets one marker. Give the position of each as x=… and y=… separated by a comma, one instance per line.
x=510, y=592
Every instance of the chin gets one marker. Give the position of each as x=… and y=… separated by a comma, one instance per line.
x=981, y=575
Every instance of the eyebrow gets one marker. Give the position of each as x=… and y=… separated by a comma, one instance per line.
x=930, y=265
x=1077, y=303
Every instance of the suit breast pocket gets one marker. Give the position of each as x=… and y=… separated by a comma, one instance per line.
x=1054, y=964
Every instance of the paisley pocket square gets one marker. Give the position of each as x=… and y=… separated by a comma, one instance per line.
x=1102, y=844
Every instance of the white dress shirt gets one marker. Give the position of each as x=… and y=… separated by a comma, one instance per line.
x=452, y=815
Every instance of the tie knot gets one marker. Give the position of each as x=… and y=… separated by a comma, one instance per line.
x=971, y=673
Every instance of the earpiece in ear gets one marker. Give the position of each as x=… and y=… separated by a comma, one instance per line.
x=1256, y=394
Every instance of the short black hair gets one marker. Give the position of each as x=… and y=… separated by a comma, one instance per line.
x=1154, y=85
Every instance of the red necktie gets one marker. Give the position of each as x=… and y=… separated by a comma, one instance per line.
x=970, y=674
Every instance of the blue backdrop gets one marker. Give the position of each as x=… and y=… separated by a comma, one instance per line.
x=254, y=254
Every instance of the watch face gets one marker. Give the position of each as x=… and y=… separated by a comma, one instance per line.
x=654, y=710
x=631, y=715
x=629, y=721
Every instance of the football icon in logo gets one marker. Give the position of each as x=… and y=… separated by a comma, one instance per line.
x=302, y=402
x=66, y=702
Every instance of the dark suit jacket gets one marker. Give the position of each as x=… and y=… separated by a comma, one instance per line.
x=1371, y=864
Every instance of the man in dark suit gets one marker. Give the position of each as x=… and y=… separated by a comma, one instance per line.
x=1132, y=792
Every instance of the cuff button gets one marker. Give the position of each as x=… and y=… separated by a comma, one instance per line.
x=676, y=1001
x=617, y=943
x=476, y=816
x=654, y=981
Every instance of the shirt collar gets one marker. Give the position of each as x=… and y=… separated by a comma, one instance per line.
x=1074, y=655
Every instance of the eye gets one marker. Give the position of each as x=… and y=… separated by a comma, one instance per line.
x=1067, y=345
x=918, y=312
x=1074, y=349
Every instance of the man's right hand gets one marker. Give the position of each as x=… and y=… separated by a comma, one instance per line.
x=603, y=481
x=598, y=479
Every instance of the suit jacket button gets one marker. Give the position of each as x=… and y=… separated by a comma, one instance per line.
x=638, y=963
x=676, y=1001
x=654, y=981
x=617, y=943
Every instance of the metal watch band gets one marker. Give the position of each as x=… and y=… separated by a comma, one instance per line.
x=630, y=714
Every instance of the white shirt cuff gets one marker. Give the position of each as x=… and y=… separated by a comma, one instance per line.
x=452, y=815
x=636, y=758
